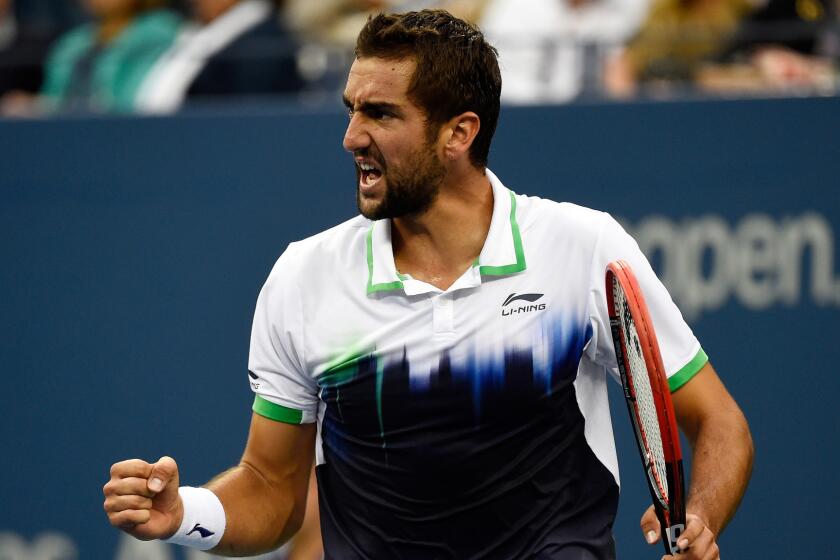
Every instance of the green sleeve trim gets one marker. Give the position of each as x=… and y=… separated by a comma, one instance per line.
x=688, y=371
x=276, y=412
x=519, y=265
x=385, y=286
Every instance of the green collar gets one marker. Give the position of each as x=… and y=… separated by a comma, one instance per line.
x=501, y=255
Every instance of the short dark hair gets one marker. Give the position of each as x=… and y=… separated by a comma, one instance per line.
x=457, y=69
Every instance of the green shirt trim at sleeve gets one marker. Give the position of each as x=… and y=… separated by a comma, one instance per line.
x=688, y=371
x=276, y=412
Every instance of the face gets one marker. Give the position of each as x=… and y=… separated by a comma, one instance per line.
x=112, y=8
x=206, y=11
x=398, y=168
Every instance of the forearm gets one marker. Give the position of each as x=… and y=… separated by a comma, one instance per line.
x=721, y=467
x=261, y=514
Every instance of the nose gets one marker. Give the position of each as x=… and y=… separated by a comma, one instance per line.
x=355, y=137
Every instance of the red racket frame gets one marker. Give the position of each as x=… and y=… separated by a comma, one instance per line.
x=671, y=515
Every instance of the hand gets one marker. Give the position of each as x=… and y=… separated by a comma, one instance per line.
x=142, y=499
x=782, y=67
x=696, y=543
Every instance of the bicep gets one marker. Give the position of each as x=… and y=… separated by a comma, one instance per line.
x=281, y=453
x=701, y=399
x=265, y=495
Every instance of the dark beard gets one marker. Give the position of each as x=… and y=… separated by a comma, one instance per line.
x=410, y=192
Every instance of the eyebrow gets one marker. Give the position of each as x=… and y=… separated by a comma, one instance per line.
x=371, y=105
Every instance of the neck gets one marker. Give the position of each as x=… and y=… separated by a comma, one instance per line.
x=440, y=245
x=111, y=27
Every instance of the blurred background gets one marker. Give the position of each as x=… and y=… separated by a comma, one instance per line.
x=158, y=56
x=157, y=156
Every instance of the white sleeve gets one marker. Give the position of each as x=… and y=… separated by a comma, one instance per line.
x=284, y=390
x=682, y=355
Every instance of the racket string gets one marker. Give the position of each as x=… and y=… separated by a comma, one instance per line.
x=646, y=415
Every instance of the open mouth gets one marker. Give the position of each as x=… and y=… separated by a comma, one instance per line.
x=369, y=175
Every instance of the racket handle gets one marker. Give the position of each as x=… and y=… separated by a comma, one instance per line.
x=670, y=537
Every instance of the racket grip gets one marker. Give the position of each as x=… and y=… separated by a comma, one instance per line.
x=670, y=536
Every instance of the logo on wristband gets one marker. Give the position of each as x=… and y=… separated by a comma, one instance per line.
x=201, y=531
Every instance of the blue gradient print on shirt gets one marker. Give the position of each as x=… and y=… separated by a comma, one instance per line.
x=490, y=437
x=376, y=400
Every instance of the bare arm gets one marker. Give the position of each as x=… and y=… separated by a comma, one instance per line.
x=721, y=461
x=307, y=544
x=722, y=448
x=264, y=497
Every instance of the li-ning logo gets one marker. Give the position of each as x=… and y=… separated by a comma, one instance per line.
x=201, y=531
x=254, y=378
x=530, y=298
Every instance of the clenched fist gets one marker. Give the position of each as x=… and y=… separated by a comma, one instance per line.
x=697, y=542
x=142, y=498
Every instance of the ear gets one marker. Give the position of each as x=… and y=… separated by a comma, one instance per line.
x=461, y=131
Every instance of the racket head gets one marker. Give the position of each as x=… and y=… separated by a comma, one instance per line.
x=648, y=398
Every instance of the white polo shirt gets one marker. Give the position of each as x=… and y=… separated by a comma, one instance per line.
x=411, y=385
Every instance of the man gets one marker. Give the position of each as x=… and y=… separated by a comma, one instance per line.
x=98, y=66
x=231, y=48
x=450, y=344
x=552, y=50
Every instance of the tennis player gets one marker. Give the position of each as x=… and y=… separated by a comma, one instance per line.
x=444, y=355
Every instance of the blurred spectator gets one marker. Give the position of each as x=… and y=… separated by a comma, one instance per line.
x=23, y=49
x=233, y=47
x=786, y=45
x=100, y=65
x=338, y=22
x=59, y=15
x=675, y=40
x=553, y=50
x=333, y=22
x=330, y=28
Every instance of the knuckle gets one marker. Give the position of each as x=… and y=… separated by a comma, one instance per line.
x=129, y=518
x=127, y=503
x=139, y=502
x=111, y=506
x=117, y=468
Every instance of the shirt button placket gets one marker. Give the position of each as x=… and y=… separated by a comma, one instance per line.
x=444, y=320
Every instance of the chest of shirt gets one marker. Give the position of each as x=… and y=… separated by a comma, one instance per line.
x=538, y=312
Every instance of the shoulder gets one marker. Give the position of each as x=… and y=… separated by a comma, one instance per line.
x=324, y=254
x=543, y=216
x=159, y=22
x=155, y=26
x=336, y=238
x=72, y=43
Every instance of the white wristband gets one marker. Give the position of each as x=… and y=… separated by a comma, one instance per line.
x=204, y=519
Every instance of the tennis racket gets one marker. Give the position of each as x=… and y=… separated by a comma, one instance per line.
x=648, y=399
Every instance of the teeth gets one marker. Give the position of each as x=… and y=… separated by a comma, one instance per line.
x=366, y=167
